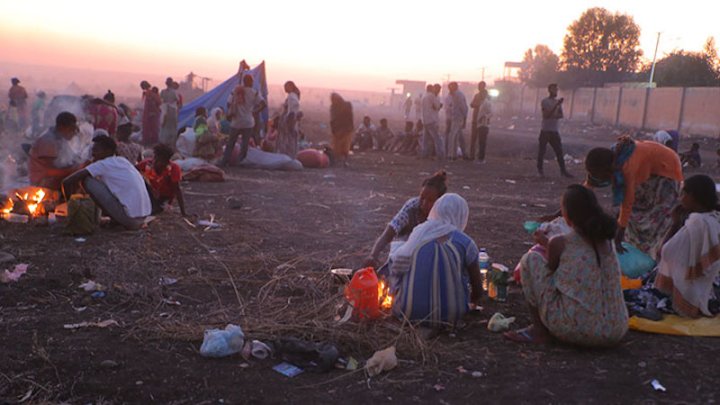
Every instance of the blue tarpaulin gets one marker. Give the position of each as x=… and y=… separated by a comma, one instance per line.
x=218, y=96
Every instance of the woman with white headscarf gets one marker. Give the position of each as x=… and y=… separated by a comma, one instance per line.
x=430, y=273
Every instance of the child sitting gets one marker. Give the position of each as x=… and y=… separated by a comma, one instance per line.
x=383, y=135
x=691, y=158
x=399, y=139
x=411, y=144
x=163, y=177
x=207, y=142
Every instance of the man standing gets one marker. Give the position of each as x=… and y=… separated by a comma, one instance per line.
x=549, y=133
x=458, y=119
x=244, y=103
x=18, y=99
x=408, y=109
x=448, y=120
x=480, y=122
x=431, y=118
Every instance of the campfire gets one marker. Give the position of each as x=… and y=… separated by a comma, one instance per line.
x=385, y=299
x=29, y=203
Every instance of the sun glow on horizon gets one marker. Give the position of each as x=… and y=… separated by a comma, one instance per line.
x=319, y=43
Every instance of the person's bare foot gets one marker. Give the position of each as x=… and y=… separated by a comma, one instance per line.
x=527, y=335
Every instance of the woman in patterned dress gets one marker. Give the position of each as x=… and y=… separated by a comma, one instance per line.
x=645, y=178
x=575, y=296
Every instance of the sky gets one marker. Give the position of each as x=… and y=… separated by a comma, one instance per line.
x=322, y=43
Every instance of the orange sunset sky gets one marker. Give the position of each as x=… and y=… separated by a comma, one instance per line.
x=332, y=44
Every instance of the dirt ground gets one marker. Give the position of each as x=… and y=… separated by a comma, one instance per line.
x=294, y=227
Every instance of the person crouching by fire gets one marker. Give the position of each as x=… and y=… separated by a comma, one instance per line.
x=114, y=184
x=51, y=157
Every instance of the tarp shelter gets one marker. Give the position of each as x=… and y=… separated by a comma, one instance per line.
x=218, y=96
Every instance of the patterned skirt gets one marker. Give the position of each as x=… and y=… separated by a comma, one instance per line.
x=651, y=214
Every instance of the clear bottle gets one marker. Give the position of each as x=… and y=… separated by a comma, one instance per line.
x=484, y=261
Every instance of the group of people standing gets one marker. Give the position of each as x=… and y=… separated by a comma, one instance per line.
x=160, y=113
x=453, y=145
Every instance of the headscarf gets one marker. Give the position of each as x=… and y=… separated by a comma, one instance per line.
x=212, y=121
x=623, y=149
x=662, y=137
x=449, y=213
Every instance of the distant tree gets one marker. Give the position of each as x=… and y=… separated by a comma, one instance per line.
x=685, y=69
x=601, y=46
x=711, y=54
x=541, y=66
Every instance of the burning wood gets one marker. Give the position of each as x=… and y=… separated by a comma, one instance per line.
x=385, y=299
x=29, y=202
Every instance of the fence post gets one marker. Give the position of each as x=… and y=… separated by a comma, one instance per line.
x=592, y=109
x=619, y=104
x=645, y=108
x=682, y=109
x=522, y=99
x=572, y=104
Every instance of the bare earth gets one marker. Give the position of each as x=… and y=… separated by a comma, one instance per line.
x=267, y=267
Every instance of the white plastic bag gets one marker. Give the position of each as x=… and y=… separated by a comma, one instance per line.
x=221, y=343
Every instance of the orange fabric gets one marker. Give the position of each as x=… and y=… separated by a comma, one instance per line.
x=648, y=159
x=341, y=143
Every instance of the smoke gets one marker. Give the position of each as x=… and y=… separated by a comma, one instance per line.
x=78, y=149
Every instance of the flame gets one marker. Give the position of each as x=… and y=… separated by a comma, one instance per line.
x=31, y=201
x=385, y=299
x=8, y=206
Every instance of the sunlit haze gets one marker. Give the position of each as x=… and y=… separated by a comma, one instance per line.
x=331, y=44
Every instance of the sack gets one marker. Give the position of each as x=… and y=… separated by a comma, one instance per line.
x=83, y=216
x=634, y=263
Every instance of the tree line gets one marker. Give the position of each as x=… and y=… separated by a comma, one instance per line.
x=603, y=47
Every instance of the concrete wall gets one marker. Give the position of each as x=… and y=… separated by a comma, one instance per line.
x=529, y=101
x=606, y=105
x=694, y=110
x=632, y=107
x=701, y=111
x=582, y=105
x=663, y=109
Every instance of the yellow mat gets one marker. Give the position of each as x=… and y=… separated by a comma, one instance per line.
x=675, y=325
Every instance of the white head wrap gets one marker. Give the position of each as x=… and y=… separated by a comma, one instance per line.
x=449, y=213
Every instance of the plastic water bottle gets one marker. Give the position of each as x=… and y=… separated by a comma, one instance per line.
x=484, y=260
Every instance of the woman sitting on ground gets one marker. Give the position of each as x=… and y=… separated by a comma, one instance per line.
x=207, y=135
x=430, y=273
x=575, y=296
x=689, y=263
x=164, y=178
x=414, y=212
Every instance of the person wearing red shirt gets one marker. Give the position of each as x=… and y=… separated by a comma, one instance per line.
x=163, y=176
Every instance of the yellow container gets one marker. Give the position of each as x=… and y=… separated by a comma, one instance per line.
x=492, y=290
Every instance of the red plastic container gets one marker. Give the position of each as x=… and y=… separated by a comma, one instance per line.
x=362, y=293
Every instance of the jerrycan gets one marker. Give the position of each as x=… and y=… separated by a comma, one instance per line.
x=362, y=293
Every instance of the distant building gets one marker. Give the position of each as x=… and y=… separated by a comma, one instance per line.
x=511, y=71
x=411, y=88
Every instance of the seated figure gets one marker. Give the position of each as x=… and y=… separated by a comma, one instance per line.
x=689, y=265
x=431, y=272
x=51, y=156
x=114, y=184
